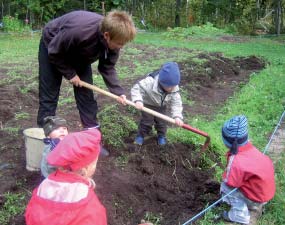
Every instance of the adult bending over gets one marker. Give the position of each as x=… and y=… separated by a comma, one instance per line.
x=68, y=47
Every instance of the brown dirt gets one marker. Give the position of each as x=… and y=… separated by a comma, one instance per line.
x=165, y=181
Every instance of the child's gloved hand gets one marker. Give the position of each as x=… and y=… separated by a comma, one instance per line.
x=139, y=105
x=178, y=122
x=122, y=99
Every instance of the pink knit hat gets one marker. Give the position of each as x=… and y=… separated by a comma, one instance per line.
x=76, y=150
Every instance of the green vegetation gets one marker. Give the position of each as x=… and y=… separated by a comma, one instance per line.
x=14, y=25
x=115, y=125
x=13, y=131
x=153, y=218
x=14, y=205
x=246, y=17
x=207, y=30
x=22, y=115
x=122, y=160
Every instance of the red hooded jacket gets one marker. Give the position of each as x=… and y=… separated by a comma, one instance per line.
x=252, y=172
x=65, y=199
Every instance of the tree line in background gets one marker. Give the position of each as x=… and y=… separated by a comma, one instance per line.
x=243, y=16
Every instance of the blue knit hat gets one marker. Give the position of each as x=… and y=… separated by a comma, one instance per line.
x=235, y=133
x=169, y=74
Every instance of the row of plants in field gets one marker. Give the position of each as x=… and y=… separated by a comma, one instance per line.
x=206, y=30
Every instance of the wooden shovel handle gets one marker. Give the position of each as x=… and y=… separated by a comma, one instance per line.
x=150, y=111
x=109, y=94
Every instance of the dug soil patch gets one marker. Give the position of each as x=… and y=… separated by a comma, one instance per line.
x=163, y=185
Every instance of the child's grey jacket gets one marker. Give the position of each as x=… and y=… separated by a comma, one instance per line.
x=149, y=92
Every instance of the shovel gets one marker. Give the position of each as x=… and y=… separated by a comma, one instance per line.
x=152, y=112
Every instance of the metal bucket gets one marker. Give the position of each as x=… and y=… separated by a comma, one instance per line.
x=34, y=148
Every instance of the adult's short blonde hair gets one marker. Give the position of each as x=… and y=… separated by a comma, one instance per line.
x=119, y=25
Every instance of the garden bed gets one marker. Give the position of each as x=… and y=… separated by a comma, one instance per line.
x=163, y=185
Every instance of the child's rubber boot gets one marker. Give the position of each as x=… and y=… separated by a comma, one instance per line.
x=139, y=140
x=226, y=217
x=161, y=140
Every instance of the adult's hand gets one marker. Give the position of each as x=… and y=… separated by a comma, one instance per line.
x=122, y=99
x=75, y=81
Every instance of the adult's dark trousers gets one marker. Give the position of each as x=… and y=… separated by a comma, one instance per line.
x=148, y=120
x=50, y=80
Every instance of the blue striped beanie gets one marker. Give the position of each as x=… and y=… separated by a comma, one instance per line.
x=235, y=133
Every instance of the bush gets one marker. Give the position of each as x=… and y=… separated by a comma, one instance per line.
x=244, y=27
x=206, y=30
x=13, y=24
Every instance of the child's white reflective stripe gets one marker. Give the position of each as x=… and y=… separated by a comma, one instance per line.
x=62, y=192
x=229, y=167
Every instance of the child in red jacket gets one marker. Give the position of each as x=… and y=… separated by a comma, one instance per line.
x=66, y=196
x=248, y=169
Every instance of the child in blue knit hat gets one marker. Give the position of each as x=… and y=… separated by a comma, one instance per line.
x=247, y=169
x=159, y=91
